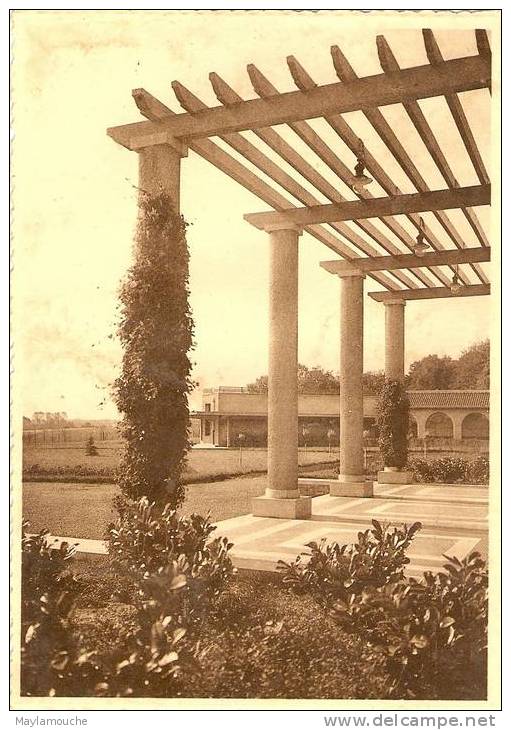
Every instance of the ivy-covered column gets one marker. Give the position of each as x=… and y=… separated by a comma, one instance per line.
x=282, y=497
x=156, y=332
x=351, y=480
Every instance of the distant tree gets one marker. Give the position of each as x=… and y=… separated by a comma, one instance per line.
x=473, y=367
x=373, y=382
x=432, y=373
x=259, y=386
x=311, y=381
x=90, y=447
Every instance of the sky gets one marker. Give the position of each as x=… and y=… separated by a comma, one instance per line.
x=74, y=200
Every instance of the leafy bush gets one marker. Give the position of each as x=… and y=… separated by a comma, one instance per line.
x=145, y=540
x=432, y=631
x=333, y=571
x=393, y=423
x=52, y=661
x=172, y=571
x=156, y=331
x=478, y=471
x=451, y=470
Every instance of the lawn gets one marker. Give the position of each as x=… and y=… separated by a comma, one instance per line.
x=84, y=510
x=68, y=461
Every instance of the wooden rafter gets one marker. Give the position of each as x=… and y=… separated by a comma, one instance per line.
x=381, y=126
x=304, y=81
x=355, y=209
x=193, y=105
x=390, y=65
x=150, y=107
x=461, y=74
x=458, y=114
x=226, y=95
x=407, y=260
x=264, y=88
x=441, y=292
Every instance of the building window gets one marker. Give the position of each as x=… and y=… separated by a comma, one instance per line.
x=207, y=407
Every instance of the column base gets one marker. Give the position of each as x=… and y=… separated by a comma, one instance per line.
x=395, y=477
x=298, y=508
x=351, y=485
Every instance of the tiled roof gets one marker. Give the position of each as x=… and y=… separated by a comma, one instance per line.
x=449, y=398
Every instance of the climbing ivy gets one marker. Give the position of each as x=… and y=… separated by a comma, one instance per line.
x=156, y=332
x=393, y=423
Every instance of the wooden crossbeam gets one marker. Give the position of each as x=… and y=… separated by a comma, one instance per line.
x=389, y=137
x=461, y=74
x=407, y=260
x=264, y=88
x=458, y=114
x=342, y=128
x=153, y=109
x=353, y=210
x=441, y=292
x=390, y=65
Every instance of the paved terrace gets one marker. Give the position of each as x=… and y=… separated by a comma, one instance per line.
x=454, y=519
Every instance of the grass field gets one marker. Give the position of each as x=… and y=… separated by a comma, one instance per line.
x=84, y=510
x=69, y=461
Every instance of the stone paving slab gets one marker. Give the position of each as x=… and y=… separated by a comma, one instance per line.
x=459, y=494
x=446, y=515
x=259, y=542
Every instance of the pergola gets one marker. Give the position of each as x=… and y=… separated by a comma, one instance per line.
x=422, y=265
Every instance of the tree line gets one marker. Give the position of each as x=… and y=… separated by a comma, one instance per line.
x=471, y=371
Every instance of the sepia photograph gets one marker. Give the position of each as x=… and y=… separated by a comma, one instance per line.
x=256, y=335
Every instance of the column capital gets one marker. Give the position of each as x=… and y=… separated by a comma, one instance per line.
x=272, y=227
x=351, y=274
x=161, y=139
x=389, y=302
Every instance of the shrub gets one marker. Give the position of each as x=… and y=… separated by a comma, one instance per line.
x=156, y=331
x=146, y=539
x=393, y=422
x=332, y=571
x=432, y=632
x=478, y=471
x=90, y=447
x=451, y=470
x=52, y=661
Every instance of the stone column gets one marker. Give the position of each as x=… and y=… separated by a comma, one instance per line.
x=457, y=421
x=395, y=339
x=351, y=480
x=159, y=168
x=282, y=497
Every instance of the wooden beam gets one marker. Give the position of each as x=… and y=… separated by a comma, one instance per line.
x=390, y=65
x=441, y=292
x=353, y=210
x=407, y=260
x=306, y=133
x=458, y=114
x=154, y=109
x=460, y=74
x=342, y=128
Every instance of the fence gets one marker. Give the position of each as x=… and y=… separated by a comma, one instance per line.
x=50, y=437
